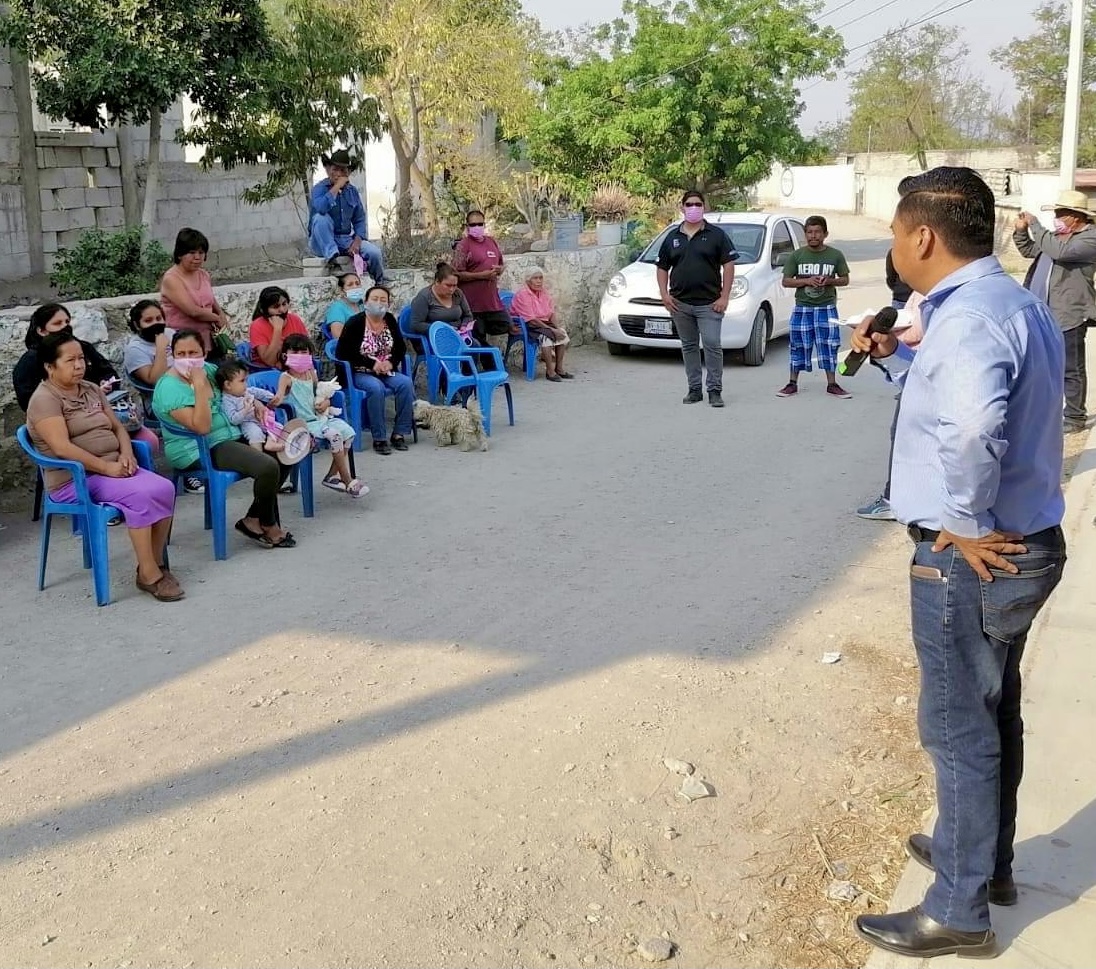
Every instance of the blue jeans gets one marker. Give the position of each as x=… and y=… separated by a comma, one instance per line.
x=970, y=637
x=401, y=388
x=324, y=243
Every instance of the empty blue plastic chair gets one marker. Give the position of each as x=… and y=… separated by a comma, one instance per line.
x=88, y=517
x=457, y=361
x=423, y=354
x=530, y=344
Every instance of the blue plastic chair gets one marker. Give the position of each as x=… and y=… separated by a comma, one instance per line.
x=145, y=391
x=457, y=361
x=357, y=415
x=423, y=354
x=530, y=344
x=89, y=517
x=243, y=353
x=268, y=380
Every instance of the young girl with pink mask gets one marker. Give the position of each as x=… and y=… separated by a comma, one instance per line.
x=297, y=385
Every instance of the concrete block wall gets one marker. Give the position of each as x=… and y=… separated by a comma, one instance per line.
x=14, y=243
x=79, y=186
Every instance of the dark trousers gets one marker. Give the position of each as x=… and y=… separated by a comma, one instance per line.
x=970, y=637
x=1076, y=375
x=890, y=454
x=266, y=472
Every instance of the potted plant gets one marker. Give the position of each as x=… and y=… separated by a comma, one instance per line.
x=610, y=205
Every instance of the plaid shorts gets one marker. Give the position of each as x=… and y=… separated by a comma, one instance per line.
x=814, y=327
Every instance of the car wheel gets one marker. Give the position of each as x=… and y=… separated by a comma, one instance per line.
x=753, y=354
x=618, y=349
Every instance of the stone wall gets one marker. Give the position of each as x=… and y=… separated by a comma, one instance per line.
x=14, y=247
x=576, y=279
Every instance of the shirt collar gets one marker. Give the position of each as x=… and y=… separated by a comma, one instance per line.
x=977, y=269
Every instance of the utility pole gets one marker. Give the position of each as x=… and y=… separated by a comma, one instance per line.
x=1072, y=113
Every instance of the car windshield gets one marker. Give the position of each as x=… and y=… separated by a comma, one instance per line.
x=747, y=238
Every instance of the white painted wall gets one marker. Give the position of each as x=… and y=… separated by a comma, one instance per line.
x=829, y=187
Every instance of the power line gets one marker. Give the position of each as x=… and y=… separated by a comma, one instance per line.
x=864, y=16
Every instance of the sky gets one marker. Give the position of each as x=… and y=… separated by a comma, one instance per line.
x=983, y=24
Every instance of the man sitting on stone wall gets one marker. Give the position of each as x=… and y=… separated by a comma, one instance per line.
x=337, y=221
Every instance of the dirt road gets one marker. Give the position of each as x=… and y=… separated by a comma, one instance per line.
x=433, y=734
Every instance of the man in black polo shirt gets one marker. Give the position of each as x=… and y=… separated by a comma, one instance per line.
x=690, y=263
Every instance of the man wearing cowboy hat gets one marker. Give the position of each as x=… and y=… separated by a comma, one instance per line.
x=336, y=217
x=1061, y=276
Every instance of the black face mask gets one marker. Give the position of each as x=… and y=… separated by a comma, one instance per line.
x=151, y=332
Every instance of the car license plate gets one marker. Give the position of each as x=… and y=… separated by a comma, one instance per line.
x=657, y=327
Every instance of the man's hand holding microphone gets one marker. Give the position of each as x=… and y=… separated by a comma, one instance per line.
x=869, y=339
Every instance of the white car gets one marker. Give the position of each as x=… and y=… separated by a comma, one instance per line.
x=632, y=314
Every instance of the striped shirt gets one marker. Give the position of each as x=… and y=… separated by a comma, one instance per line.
x=979, y=440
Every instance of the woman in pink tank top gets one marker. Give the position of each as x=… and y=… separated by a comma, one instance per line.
x=186, y=291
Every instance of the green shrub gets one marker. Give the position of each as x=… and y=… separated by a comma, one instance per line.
x=110, y=264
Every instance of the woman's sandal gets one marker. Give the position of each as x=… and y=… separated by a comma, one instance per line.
x=334, y=482
x=357, y=489
x=254, y=536
x=565, y=375
x=165, y=589
x=554, y=378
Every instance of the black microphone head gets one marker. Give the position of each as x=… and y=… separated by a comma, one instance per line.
x=885, y=320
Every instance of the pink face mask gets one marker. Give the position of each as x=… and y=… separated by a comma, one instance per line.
x=187, y=365
x=476, y=232
x=298, y=362
x=1060, y=228
x=694, y=214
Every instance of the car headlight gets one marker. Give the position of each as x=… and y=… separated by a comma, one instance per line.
x=617, y=285
x=739, y=287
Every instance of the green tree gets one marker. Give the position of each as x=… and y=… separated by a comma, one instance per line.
x=451, y=64
x=100, y=62
x=699, y=93
x=302, y=98
x=916, y=93
x=1038, y=66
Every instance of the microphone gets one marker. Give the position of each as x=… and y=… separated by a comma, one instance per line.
x=883, y=323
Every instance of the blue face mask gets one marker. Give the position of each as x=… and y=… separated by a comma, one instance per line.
x=355, y=295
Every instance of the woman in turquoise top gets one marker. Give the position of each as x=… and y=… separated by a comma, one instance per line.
x=350, y=302
x=297, y=386
x=187, y=395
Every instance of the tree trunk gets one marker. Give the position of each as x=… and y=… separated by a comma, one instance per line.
x=424, y=182
x=152, y=172
x=402, y=150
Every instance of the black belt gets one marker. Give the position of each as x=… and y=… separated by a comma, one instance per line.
x=1048, y=536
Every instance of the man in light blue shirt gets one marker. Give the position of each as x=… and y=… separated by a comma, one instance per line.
x=976, y=478
x=336, y=218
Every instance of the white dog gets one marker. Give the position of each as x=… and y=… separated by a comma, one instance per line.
x=453, y=425
x=325, y=390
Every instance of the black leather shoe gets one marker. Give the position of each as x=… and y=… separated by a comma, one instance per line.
x=399, y=442
x=1002, y=891
x=382, y=447
x=693, y=397
x=914, y=934
x=715, y=398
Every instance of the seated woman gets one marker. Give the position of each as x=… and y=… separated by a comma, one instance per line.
x=347, y=303
x=187, y=395
x=440, y=301
x=29, y=372
x=69, y=418
x=186, y=291
x=533, y=303
x=272, y=324
x=372, y=344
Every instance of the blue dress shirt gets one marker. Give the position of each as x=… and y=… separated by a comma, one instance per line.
x=979, y=440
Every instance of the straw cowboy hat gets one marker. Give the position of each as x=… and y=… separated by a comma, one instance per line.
x=340, y=158
x=1073, y=201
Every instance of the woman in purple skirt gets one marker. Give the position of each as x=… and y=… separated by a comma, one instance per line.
x=69, y=418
